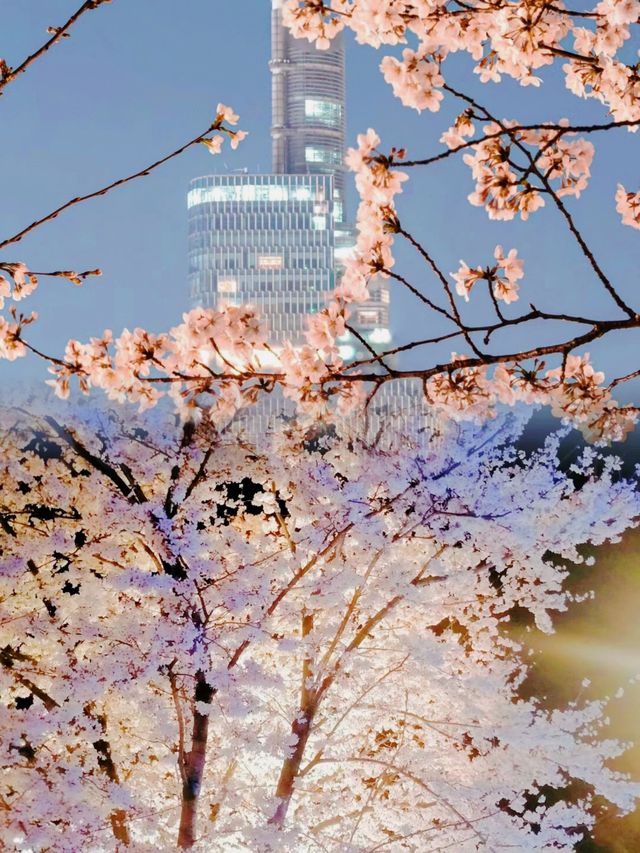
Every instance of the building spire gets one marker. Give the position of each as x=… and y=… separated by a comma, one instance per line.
x=308, y=107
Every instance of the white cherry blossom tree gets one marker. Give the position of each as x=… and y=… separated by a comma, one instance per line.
x=312, y=655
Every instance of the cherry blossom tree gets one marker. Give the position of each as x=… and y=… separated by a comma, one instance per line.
x=305, y=644
x=315, y=655
x=222, y=359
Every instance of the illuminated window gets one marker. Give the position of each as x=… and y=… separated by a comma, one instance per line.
x=322, y=112
x=319, y=222
x=367, y=318
x=322, y=155
x=270, y=262
x=241, y=192
x=227, y=285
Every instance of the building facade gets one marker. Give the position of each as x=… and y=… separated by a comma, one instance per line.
x=267, y=240
x=308, y=108
x=280, y=241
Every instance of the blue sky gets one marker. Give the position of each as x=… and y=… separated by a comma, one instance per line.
x=139, y=78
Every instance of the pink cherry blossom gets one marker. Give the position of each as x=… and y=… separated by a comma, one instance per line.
x=628, y=206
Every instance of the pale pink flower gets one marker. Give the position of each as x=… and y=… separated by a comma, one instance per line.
x=465, y=278
x=5, y=290
x=24, y=282
x=225, y=113
x=214, y=144
x=457, y=133
x=415, y=80
x=324, y=327
x=628, y=206
x=237, y=137
x=10, y=345
x=512, y=267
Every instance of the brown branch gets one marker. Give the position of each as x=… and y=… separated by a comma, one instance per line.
x=180, y=719
x=194, y=763
x=445, y=285
x=104, y=190
x=418, y=781
x=118, y=817
x=633, y=375
x=300, y=729
x=489, y=330
x=200, y=474
x=285, y=590
x=131, y=490
x=417, y=293
x=58, y=35
x=311, y=697
x=375, y=356
x=102, y=747
x=561, y=130
x=557, y=201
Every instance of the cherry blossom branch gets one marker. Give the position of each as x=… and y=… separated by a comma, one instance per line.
x=627, y=378
x=127, y=489
x=558, y=202
x=379, y=357
x=599, y=329
x=535, y=352
x=520, y=128
x=464, y=821
x=489, y=330
x=413, y=289
x=445, y=285
x=106, y=189
x=10, y=74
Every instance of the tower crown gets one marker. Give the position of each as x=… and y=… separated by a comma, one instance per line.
x=308, y=107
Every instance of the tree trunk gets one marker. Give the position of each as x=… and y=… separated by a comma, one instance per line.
x=300, y=727
x=194, y=762
x=290, y=767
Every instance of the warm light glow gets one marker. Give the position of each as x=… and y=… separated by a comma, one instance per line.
x=380, y=336
x=270, y=262
x=227, y=285
x=346, y=352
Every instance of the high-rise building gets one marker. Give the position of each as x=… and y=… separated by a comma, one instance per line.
x=267, y=240
x=308, y=132
x=293, y=216
x=308, y=108
x=279, y=241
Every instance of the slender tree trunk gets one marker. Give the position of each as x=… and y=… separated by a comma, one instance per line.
x=310, y=698
x=301, y=728
x=291, y=766
x=194, y=762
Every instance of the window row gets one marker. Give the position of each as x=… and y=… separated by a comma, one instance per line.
x=316, y=219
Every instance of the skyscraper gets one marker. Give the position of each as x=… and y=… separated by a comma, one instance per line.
x=280, y=241
x=267, y=240
x=308, y=132
x=308, y=108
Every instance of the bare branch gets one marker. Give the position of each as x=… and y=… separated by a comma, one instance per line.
x=104, y=190
x=58, y=34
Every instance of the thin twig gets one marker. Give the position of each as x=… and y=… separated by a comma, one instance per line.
x=59, y=34
x=104, y=190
